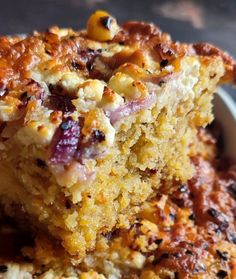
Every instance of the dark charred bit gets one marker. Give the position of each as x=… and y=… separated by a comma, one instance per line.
x=176, y=275
x=86, y=58
x=161, y=82
x=221, y=274
x=3, y=268
x=164, y=63
x=76, y=66
x=212, y=75
x=97, y=136
x=56, y=89
x=188, y=252
x=162, y=257
x=176, y=255
x=106, y=22
x=27, y=259
x=40, y=163
x=113, y=234
x=231, y=237
x=213, y=212
x=218, y=218
x=192, y=217
x=85, y=148
x=24, y=98
x=68, y=204
x=152, y=171
x=182, y=188
x=48, y=52
x=223, y=255
x=198, y=269
x=60, y=99
x=158, y=241
x=179, y=202
x=2, y=126
x=191, y=195
x=97, y=51
x=232, y=190
x=89, y=66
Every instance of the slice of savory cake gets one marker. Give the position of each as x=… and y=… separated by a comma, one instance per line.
x=92, y=122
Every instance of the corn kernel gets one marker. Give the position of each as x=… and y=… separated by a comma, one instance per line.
x=101, y=26
x=127, y=87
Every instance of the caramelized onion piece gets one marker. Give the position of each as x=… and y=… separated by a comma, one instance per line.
x=130, y=108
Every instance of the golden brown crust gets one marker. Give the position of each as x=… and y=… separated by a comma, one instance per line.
x=151, y=37
x=18, y=57
x=206, y=49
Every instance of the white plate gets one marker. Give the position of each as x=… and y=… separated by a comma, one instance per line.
x=225, y=114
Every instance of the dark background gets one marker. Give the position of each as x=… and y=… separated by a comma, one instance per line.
x=186, y=20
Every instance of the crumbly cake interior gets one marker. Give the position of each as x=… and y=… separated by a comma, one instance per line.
x=92, y=123
x=190, y=233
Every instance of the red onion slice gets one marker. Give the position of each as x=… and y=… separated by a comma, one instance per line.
x=131, y=107
x=65, y=141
